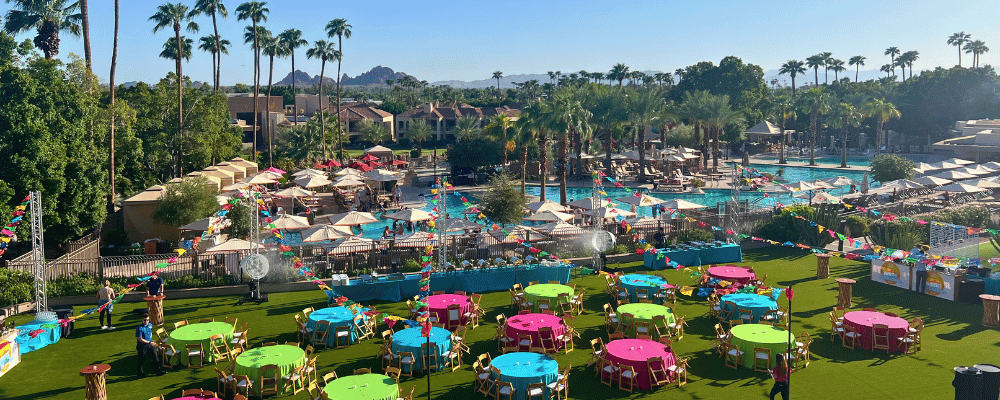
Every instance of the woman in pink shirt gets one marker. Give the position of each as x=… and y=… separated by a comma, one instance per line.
x=780, y=375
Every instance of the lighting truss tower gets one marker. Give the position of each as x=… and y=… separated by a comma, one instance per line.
x=735, y=194
x=38, y=252
x=443, y=226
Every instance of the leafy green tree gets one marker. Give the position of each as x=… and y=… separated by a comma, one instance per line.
x=393, y=107
x=173, y=16
x=504, y=203
x=240, y=217
x=930, y=103
x=305, y=142
x=890, y=167
x=47, y=18
x=475, y=153
x=241, y=88
x=185, y=202
x=501, y=127
x=417, y=132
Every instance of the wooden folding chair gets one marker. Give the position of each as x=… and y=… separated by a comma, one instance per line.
x=850, y=334
x=430, y=358
x=320, y=334
x=761, y=359
x=342, y=337
x=195, y=350
x=733, y=356
x=880, y=337
x=269, y=379
x=679, y=369
x=406, y=358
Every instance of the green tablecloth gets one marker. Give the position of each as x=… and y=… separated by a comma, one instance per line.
x=748, y=336
x=285, y=357
x=645, y=312
x=198, y=334
x=363, y=387
x=549, y=291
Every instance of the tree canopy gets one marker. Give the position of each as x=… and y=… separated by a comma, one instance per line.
x=504, y=203
x=185, y=202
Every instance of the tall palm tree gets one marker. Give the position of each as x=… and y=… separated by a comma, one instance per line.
x=217, y=49
x=47, y=18
x=497, y=75
x=837, y=66
x=169, y=51
x=846, y=117
x=816, y=103
x=270, y=47
x=976, y=48
x=608, y=112
x=857, y=62
x=618, y=72
x=827, y=57
x=567, y=116
x=720, y=114
x=535, y=123
x=814, y=62
x=888, y=69
x=552, y=77
x=694, y=109
x=892, y=52
x=341, y=29
x=256, y=12
x=792, y=68
x=215, y=8
x=958, y=40
x=882, y=111
x=324, y=51
x=111, y=133
x=417, y=132
x=174, y=15
x=783, y=109
x=291, y=39
x=501, y=126
x=909, y=58
x=85, y=30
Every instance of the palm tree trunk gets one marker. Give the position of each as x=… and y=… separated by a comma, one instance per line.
x=270, y=80
x=524, y=166
x=543, y=141
x=322, y=111
x=816, y=73
x=642, y=151
x=180, y=101
x=793, y=85
x=578, y=148
x=781, y=142
x=256, y=87
x=812, y=138
x=857, y=72
x=340, y=139
x=295, y=97
x=85, y=26
x=111, y=134
x=608, y=138
x=843, y=151
x=218, y=65
x=715, y=148
x=563, y=144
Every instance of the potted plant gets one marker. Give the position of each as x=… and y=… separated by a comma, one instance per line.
x=696, y=185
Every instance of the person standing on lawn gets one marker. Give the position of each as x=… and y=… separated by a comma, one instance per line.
x=145, y=347
x=780, y=375
x=105, y=295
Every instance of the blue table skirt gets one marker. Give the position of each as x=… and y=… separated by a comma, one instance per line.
x=631, y=287
x=993, y=286
x=409, y=339
x=338, y=316
x=729, y=253
x=757, y=304
x=469, y=281
x=522, y=369
x=28, y=344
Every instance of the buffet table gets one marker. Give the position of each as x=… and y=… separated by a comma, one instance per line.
x=695, y=255
x=476, y=281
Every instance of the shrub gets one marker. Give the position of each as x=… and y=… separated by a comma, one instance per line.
x=858, y=225
x=889, y=167
x=410, y=265
x=695, y=182
x=897, y=234
x=18, y=287
x=692, y=235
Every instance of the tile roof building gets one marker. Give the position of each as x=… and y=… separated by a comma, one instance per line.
x=442, y=116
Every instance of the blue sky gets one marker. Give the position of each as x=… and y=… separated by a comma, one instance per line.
x=468, y=40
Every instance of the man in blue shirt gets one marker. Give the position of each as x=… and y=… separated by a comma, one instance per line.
x=154, y=286
x=920, y=273
x=145, y=347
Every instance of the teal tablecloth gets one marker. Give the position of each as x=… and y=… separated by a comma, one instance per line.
x=409, y=339
x=523, y=369
x=632, y=282
x=757, y=304
x=494, y=279
x=338, y=316
x=705, y=255
x=730, y=253
x=51, y=334
x=993, y=287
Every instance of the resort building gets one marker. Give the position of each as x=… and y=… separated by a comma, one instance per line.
x=978, y=140
x=442, y=117
x=270, y=111
x=354, y=113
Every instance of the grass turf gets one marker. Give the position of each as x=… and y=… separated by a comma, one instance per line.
x=953, y=336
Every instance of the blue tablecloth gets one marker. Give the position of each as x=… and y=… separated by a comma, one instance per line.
x=338, y=316
x=523, y=369
x=49, y=336
x=730, y=253
x=756, y=303
x=632, y=282
x=993, y=286
x=409, y=339
x=469, y=281
x=705, y=255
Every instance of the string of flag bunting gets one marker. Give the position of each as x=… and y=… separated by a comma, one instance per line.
x=7, y=233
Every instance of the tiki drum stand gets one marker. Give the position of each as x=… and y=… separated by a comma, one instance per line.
x=991, y=310
x=846, y=291
x=155, y=305
x=94, y=377
x=823, y=266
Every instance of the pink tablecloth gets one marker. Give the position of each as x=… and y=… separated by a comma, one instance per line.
x=529, y=324
x=628, y=352
x=731, y=273
x=439, y=303
x=864, y=321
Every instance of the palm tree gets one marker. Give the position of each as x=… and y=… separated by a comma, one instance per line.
x=535, y=124
x=837, y=66
x=888, y=69
x=85, y=27
x=500, y=126
x=291, y=39
x=111, y=134
x=618, y=72
x=882, y=111
x=47, y=17
x=341, y=29
x=567, y=116
x=815, y=62
x=958, y=40
x=270, y=47
x=169, y=51
x=372, y=132
x=827, y=57
x=816, y=103
x=792, y=68
x=417, y=132
x=497, y=75
x=846, y=117
x=694, y=110
x=256, y=12
x=324, y=51
x=857, y=62
x=174, y=15
x=976, y=48
x=209, y=44
x=214, y=8
x=892, y=52
x=783, y=109
x=719, y=114
x=908, y=58
x=552, y=77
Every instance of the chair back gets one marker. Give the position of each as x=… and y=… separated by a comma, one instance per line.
x=429, y=353
x=362, y=371
x=880, y=337
x=269, y=379
x=454, y=315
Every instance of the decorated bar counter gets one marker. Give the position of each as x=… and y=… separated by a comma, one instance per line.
x=940, y=283
x=693, y=254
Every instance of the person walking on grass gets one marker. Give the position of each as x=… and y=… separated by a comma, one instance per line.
x=105, y=295
x=145, y=347
x=780, y=375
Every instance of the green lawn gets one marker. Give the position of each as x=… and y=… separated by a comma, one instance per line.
x=953, y=337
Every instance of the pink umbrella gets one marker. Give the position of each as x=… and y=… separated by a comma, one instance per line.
x=360, y=166
x=374, y=164
x=333, y=163
x=320, y=166
x=275, y=170
x=399, y=162
x=368, y=157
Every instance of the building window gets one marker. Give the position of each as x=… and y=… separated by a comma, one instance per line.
x=245, y=116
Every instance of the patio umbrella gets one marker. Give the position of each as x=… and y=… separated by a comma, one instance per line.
x=353, y=244
x=309, y=171
x=986, y=184
x=944, y=165
x=259, y=179
x=959, y=187
x=560, y=229
x=360, y=166
x=332, y=163
x=381, y=175
x=311, y=181
x=819, y=184
x=972, y=171
x=958, y=161
x=931, y=181
x=374, y=164
x=348, y=171
x=236, y=186
x=233, y=245
x=368, y=157
x=457, y=224
x=644, y=201
x=690, y=155
x=993, y=165
x=547, y=205
x=680, y=204
x=411, y=215
x=820, y=198
x=270, y=174
x=398, y=162
x=629, y=155
x=549, y=216
x=588, y=203
x=609, y=212
x=520, y=232
x=644, y=222
x=864, y=184
x=985, y=168
x=472, y=210
x=953, y=175
x=800, y=186
x=416, y=239
x=775, y=189
x=674, y=158
x=351, y=218
x=841, y=181
x=325, y=233
x=904, y=184
x=347, y=183
x=275, y=170
x=294, y=191
x=924, y=167
x=291, y=222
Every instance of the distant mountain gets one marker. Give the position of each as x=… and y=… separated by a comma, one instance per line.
x=506, y=81
x=377, y=76
x=302, y=79
x=810, y=79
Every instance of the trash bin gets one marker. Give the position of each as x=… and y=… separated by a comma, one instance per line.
x=968, y=383
x=64, y=312
x=991, y=380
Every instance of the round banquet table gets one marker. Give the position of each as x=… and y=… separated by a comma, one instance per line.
x=199, y=334
x=550, y=291
x=523, y=369
x=50, y=333
x=864, y=323
x=529, y=324
x=632, y=282
x=758, y=304
x=363, y=387
x=645, y=312
x=338, y=316
x=635, y=352
x=438, y=304
x=748, y=336
x=286, y=357
x=731, y=273
x=409, y=339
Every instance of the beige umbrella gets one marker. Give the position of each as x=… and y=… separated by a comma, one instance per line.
x=560, y=229
x=347, y=183
x=800, y=185
x=944, y=165
x=644, y=201
x=959, y=187
x=351, y=218
x=416, y=239
x=311, y=181
x=643, y=222
x=610, y=212
x=985, y=184
x=236, y=186
x=349, y=171
x=985, y=168
x=680, y=204
x=309, y=171
x=294, y=191
x=953, y=175
x=381, y=175
x=411, y=215
x=588, y=203
x=353, y=244
x=549, y=216
x=674, y=158
x=291, y=222
x=690, y=155
x=775, y=189
x=958, y=161
x=819, y=184
x=972, y=171
x=547, y=205
x=270, y=174
x=325, y=233
x=904, y=184
x=932, y=181
x=993, y=165
x=259, y=180
x=820, y=198
x=233, y=245
x=841, y=181
x=456, y=224
x=924, y=167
